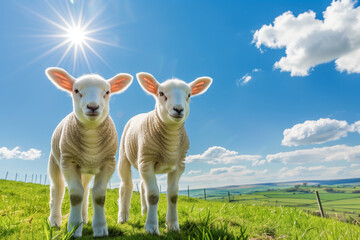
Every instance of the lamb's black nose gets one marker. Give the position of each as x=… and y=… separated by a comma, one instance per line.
x=178, y=109
x=93, y=106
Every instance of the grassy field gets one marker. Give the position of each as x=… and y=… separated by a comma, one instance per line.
x=342, y=204
x=24, y=210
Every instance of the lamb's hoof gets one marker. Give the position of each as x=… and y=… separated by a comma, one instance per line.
x=55, y=221
x=78, y=232
x=99, y=227
x=101, y=231
x=152, y=229
x=123, y=217
x=173, y=227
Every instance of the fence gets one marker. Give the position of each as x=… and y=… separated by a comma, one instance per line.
x=27, y=178
x=42, y=178
x=38, y=178
x=205, y=193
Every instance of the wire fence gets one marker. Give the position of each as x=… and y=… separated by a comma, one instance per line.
x=43, y=178
x=37, y=178
x=27, y=178
x=209, y=194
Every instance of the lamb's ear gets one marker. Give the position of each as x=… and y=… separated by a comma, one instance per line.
x=120, y=83
x=200, y=85
x=148, y=82
x=60, y=78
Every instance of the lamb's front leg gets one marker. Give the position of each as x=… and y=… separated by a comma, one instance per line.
x=98, y=196
x=152, y=197
x=172, y=222
x=76, y=192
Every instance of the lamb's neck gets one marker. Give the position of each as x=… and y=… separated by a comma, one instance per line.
x=168, y=136
x=90, y=134
x=173, y=129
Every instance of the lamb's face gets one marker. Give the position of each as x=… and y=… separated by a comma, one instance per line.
x=173, y=96
x=90, y=93
x=172, y=101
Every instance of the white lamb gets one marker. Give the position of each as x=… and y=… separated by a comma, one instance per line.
x=155, y=143
x=84, y=144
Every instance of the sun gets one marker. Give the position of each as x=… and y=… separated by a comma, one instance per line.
x=73, y=34
x=76, y=35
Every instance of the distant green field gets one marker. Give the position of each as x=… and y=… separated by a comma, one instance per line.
x=24, y=210
x=343, y=204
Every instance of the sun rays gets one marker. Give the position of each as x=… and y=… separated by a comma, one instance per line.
x=72, y=35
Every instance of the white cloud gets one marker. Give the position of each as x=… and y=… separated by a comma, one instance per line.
x=259, y=162
x=220, y=155
x=355, y=165
x=310, y=41
x=240, y=170
x=317, y=172
x=356, y=127
x=226, y=176
x=194, y=172
x=245, y=79
x=316, y=132
x=15, y=153
x=315, y=155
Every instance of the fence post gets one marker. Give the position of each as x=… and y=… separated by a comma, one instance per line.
x=45, y=179
x=188, y=191
x=32, y=178
x=15, y=176
x=6, y=175
x=229, y=195
x=40, y=178
x=25, y=177
x=35, y=178
x=205, y=194
x=137, y=187
x=319, y=203
x=160, y=188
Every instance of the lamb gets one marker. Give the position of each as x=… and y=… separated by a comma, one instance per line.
x=154, y=143
x=84, y=144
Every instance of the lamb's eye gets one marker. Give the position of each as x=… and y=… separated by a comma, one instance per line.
x=107, y=93
x=189, y=95
x=161, y=94
x=78, y=92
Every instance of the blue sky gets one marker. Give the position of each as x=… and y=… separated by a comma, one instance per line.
x=301, y=70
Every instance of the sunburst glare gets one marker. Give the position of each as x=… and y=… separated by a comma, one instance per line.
x=74, y=35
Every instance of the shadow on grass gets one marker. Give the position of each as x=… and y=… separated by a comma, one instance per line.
x=189, y=230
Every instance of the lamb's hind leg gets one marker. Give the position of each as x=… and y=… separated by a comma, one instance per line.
x=126, y=188
x=143, y=198
x=57, y=189
x=85, y=179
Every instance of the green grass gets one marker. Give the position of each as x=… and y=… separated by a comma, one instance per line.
x=342, y=206
x=24, y=210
